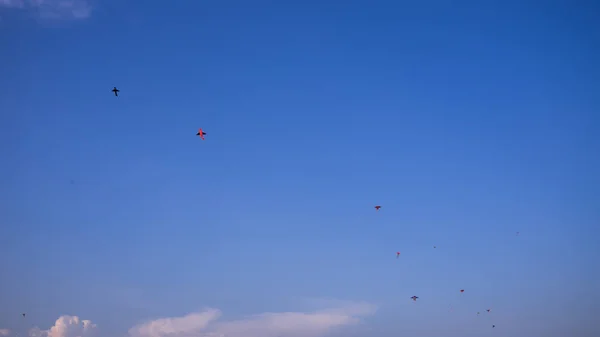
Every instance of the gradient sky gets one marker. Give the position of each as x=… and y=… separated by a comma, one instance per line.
x=467, y=121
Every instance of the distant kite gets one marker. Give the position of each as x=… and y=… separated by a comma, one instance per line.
x=116, y=91
x=201, y=133
x=377, y=207
x=397, y=254
x=462, y=290
x=414, y=298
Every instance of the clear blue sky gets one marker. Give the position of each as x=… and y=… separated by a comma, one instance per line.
x=466, y=121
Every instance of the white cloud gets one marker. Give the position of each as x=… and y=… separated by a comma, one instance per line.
x=206, y=323
x=288, y=324
x=78, y=9
x=4, y=332
x=67, y=326
x=188, y=325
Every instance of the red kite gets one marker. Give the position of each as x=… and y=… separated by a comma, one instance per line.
x=201, y=133
x=462, y=290
x=397, y=254
x=377, y=207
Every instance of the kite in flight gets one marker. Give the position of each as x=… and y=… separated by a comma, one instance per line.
x=377, y=207
x=397, y=254
x=201, y=133
x=462, y=290
x=414, y=298
x=115, y=90
x=488, y=310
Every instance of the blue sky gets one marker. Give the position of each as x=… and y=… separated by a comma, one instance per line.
x=467, y=122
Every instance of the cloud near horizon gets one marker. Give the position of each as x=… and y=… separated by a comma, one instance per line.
x=67, y=326
x=77, y=9
x=206, y=324
x=289, y=324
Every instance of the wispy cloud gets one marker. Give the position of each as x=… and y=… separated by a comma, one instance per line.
x=289, y=324
x=13, y=3
x=4, y=332
x=189, y=325
x=77, y=9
